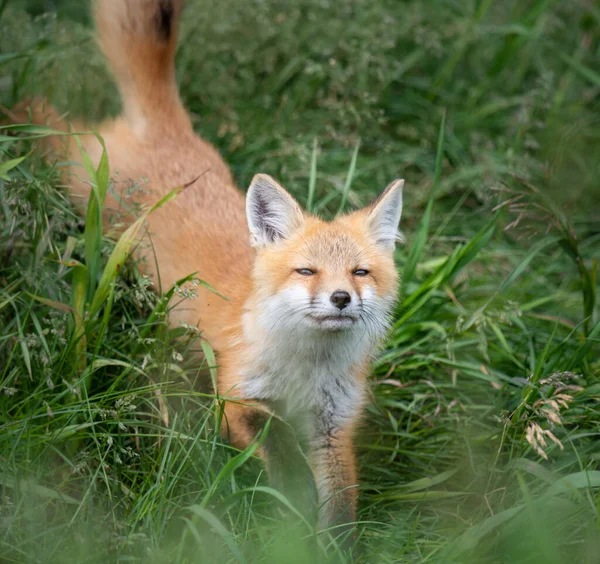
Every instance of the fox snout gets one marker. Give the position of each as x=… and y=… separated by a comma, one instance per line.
x=336, y=301
x=340, y=299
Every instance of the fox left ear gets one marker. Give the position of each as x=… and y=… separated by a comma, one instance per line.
x=271, y=212
x=384, y=214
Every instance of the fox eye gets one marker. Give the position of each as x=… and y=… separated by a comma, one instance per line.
x=360, y=272
x=305, y=271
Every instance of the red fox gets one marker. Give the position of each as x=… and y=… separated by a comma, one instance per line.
x=309, y=301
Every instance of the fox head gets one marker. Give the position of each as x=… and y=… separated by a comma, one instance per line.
x=324, y=277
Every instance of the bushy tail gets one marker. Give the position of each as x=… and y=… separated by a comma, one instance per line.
x=139, y=38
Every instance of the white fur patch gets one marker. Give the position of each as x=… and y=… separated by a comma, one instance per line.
x=303, y=360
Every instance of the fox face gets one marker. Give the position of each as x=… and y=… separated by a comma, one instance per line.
x=318, y=277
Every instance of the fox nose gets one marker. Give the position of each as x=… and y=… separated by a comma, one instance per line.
x=340, y=299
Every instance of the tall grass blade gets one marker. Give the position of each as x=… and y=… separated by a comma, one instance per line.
x=312, y=181
x=93, y=223
x=349, y=177
x=79, y=287
x=418, y=244
x=6, y=166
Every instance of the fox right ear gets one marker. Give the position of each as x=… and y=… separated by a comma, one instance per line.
x=384, y=214
x=271, y=212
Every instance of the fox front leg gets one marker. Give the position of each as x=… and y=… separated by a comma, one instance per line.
x=287, y=466
x=334, y=466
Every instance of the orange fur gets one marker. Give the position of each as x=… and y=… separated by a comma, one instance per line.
x=204, y=229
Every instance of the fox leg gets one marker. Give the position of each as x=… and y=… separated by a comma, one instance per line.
x=287, y=466
x=334, y=466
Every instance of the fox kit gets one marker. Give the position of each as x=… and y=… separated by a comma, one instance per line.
x=308, y=301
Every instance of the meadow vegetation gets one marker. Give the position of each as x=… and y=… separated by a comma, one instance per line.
x=481, y=440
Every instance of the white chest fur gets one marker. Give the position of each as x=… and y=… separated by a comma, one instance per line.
x=305, y=370
x=302, y=367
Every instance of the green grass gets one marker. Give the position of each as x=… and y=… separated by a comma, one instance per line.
x=490, y=110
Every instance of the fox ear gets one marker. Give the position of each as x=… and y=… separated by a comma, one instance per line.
x=271, y=212
x=384, y=214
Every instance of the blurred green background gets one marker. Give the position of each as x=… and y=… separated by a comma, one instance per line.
x=481, y=442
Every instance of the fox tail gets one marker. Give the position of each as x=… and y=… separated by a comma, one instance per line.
x=139, y=39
